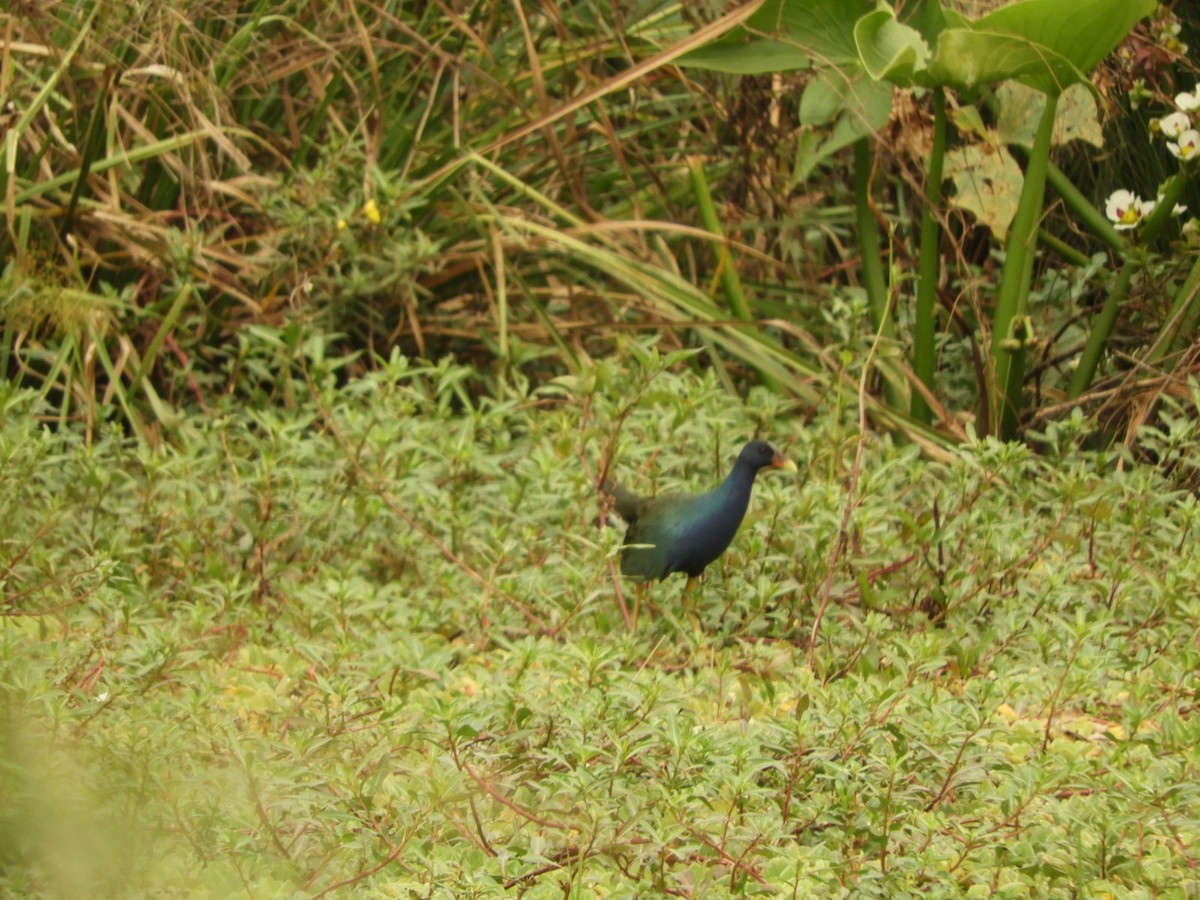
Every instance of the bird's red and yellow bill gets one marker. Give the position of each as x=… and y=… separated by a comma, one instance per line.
x=782, y=462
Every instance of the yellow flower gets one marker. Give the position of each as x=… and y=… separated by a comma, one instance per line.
x=371, y=211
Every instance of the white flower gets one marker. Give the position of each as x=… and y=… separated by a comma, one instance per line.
x=1175, y=124
x=1187, y=102
x=1124, y=208
x=1186, y=146
x=1177, y=210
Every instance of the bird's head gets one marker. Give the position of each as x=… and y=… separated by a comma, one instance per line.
x=761, y=454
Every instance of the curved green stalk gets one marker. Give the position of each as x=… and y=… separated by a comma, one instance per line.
x=1106, y=319
x=925, y=325
x=1009, y=335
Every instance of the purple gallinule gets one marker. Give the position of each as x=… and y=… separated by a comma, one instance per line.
x=685, y=532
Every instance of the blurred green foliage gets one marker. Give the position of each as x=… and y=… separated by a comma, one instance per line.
x=370, y=643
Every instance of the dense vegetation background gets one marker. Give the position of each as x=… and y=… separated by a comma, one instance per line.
x=320, y=322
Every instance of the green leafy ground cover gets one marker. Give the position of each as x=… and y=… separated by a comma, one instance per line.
x=369, y=645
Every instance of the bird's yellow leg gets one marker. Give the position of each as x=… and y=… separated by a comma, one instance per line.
x=688, y=590
x=638, y=591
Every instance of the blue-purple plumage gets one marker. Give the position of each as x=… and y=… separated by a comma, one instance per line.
x=686, y=532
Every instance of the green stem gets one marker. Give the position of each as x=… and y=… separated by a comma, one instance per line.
x=165, y=327
x=1062, y=249
x=731, y=284
x=925, y=325
x=1106, y=319
x=869, y=240
x=1189, y=294
x=1008, y=337
x=873, y=277
x=1082, y=210
x=1181, y=323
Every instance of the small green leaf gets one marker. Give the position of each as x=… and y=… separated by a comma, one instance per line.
x=821, y=101
x=832, y=93
x=857, y=107
x=733, y=55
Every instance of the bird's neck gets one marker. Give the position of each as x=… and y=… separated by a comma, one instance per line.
x=737, y=484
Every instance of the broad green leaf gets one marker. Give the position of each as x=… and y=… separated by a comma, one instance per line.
x=968, y=59
x=1078, y=118
x=890, y=50
x=1021, y=107
x=1045, y=44
x=987, y=184
x=1080, y=31
x=785, y=35
x=824, y=28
